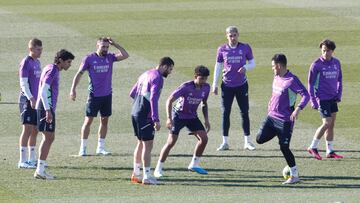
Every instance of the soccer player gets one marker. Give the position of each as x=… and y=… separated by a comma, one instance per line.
x=189, y=95
x=282, y=112
x=29, y=75
x=233, y=57
x=100, y=68
x=145, y=117
x=46, y=107
x=325, y=88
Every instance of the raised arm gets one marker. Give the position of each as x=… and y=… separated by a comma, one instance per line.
x=122, y=54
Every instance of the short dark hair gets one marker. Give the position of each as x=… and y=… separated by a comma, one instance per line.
x=103, y=39
x=328, y=43
x=64, y=55
x=35, y=42
x=280, y=58
x=167, y=61
x=201, y=70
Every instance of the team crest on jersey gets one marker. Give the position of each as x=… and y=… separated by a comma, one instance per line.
x=107, y=61
x=203, y=94
x=94, y=62
x=335, y=67
x=190, y=94
x=28, y=118
x=240, y=52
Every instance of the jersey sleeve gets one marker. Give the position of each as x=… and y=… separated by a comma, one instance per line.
x=219, y=55
x=311, y=84
x=249, y=54
x=24, y=69
x=112, y=57
x=155, y=91
x=133, y=91
x=180, y=91
x=84, y=66
x=339, y=85
x=299, y=88
x=207, y=93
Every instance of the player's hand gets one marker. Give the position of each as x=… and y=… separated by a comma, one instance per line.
x=49, y=116
x=215, y=91
x=242, y=70
x=111, y=41
x=73, y=95
x=169, y=123
x=207, y=126
x=157, y=126
x=314, y=105
x=295, y=114
x=32, y=102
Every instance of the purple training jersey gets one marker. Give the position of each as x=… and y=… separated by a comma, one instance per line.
x=146, y=93
x=30, y=68
x=50, y=76
x=325, y=80
x=234, y=59
x=284, y=91
x=100, y=73
x=189, y=99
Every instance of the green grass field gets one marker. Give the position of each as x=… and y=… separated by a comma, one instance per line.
x=189, y=31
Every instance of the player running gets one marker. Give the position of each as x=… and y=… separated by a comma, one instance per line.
x=189, y=95
x=46, y=107
x=325, y=88
x=282, y=112
x=145, y=117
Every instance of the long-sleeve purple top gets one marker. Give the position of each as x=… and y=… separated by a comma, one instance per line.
x=284, y=91
x=146, y=93
x=325, y=80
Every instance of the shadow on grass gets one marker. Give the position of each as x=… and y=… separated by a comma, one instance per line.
x=276, y=183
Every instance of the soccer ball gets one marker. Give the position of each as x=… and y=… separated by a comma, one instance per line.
x=286, y=172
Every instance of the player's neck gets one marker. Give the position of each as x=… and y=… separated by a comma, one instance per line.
x=33, y=56
x=233, y=45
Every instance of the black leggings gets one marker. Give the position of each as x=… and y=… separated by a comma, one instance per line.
x=227, y=98
x=272, y=127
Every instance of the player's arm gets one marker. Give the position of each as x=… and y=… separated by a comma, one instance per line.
x=217, y=71
x=122, y=54
x=205, y=112
x=133, y=91
x=154, y=99
x=311, y=85
x=25, y=88
x=75, y=82
x=339, y=87
x=24, y=83
x=44, y=89
x=250, y=61
x=169, y=105
x=299, y=88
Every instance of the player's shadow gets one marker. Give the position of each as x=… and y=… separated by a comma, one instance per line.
x=93, y=168
x=259, y=182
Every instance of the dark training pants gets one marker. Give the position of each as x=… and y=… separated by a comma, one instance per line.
x=272, y=127
x=242, y=98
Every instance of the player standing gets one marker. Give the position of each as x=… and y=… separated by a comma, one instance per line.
x=46, y=107
x=145, y=117
x=100, y=68
x=282, y=112
x=29, y=75
x=325, y=88
x=189, y=95
x=232, y=57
